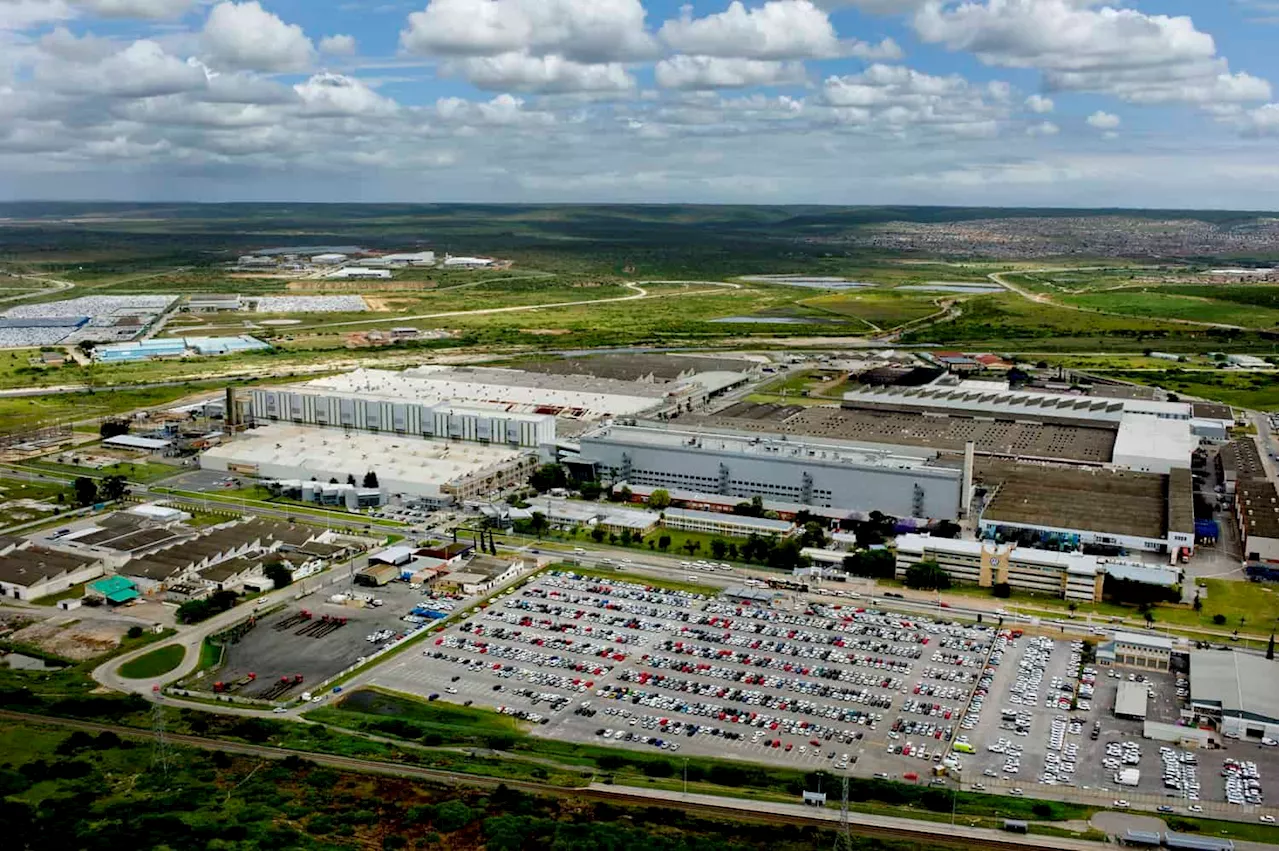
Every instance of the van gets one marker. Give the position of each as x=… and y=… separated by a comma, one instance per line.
x=579, y=551
x=962, y=747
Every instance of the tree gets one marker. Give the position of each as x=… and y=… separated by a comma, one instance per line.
x=598, y=533
x=625, y=538
x=947, y=529
x=1271, y=646
x=1196, y=603
x=927, y=575
x=1148, y=616
x=539, y=523
x=719, y=548
x=613, y=537
x=351, y=479
x=813, y=535
x=113, y=488
x=333, y=480
x=591, y=490
x=1001, y=590
x=547, y=477
x=1072, y=606
x=134, y=632
x=279, y=574
x=690, y=546
x=754, y=508
x=872, y=564
x=370, y=480
x=1219, y=620
x=86, y=490
x=664, y=542
x=660, y=499
x=623, y=494
x=113, y=428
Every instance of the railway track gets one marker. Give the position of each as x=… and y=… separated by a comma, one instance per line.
x=883, y=827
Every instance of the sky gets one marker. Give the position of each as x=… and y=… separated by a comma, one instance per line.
x=1075, y=103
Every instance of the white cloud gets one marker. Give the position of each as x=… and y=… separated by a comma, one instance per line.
x=338, y=45
x=24, y=14
x=338, y=95
x=140, y=70
x=246, y=36
x=138, y=8
x=711, y=72
x=1261, y=123
x=887, y=50
x=525, y=73
x=780, y=29
x=896, y=98
x=1044, y=128
x=1103, y=120
x=1081, y=46
x=587, y=31
x=1039, y=104
x=503, y=110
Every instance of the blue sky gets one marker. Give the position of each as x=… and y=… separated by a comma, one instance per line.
x=975, y=102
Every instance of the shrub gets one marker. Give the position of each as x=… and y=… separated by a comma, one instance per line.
x=453, y=815
x=1219, y=620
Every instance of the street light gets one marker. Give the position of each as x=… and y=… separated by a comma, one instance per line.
x=685, y=773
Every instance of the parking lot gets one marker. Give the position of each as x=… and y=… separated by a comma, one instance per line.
x=287, y=644
x=615, y=662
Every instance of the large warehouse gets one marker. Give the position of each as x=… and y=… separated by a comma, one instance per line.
x=579, y=397
x=847, y=477
x=438, y=472
x=1060, y=506
x=389, y=412
x=1237, y=691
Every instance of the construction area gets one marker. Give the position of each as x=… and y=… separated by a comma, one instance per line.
x=300, y=646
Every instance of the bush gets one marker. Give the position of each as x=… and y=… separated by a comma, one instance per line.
x=453, y=815
x=1041, y=810
x=927, y=575
x=1002, y=590
x=134, y=632
x=1219, y=620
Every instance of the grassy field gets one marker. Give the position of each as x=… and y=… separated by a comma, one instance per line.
x=1157, y=303
x=135, y=471
x=162, y=660
x=652, y=581
x=882, y=309
x=12, y=489
x=1253, y=390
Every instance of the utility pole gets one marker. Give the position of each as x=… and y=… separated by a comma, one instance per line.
x=685, y=773
x=844, y=839
x=160, y=748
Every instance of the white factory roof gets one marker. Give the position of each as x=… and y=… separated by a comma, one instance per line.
x=1238, y=683
x=515, y=390
x=1070, y=562
x=1153, y=444
x=973, y=396
x=130, y=441
x=1155, y=642
x=764, y=524
x=589, y=513
x=414, y=465
x=756, y=445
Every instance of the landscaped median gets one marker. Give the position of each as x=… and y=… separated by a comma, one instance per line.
x=155, y=663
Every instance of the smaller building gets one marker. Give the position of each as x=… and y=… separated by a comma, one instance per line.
x=742, y=595
x=1237, y=692
x=1258, y=517
x=468, y=262
x=136, y=443
x=717, y=523
x=1136, y=650
x=1131, y=701
x=328, y=259
x=461, y=582
x=210, y=303
x=376, y=575
x=114, y=590
x=398, y=555
x=358, y=272
x=452, y=554
x=29, y=574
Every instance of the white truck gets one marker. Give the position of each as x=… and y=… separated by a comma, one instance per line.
x=1127, y=777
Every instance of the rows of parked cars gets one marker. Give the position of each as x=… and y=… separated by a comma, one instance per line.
x=1243, y=785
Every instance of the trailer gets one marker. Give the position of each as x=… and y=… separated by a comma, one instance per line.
x=224, y=688
x=293, y=620
x=1128, y=776
x=282, y=687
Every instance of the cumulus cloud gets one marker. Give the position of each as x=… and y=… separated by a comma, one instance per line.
x=898, y=98
x=1044, y=128
x=1261, y=123
x=141, y=70
x=1039, y=104
x=587, y=31
x=1103, y=120
x=503, y=110
x=1081, y=46
x=525, y=73
x=23, y=14
x=711, y=72
x=138, y=8
x=338, y=95
x=780, y=29
x=246, y=36
x=338, y=45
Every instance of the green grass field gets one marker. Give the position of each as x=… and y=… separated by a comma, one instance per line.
x=135, y=471
x=652, y=581
x=162, y=660
x=1253, y=390
x=882, y=309
x=1157, y=303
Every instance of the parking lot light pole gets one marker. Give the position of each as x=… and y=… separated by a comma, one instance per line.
x=685, y=773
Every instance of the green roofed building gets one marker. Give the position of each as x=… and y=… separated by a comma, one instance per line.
x=114, y=589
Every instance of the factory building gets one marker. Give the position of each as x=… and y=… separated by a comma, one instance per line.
x=843, y=477
x=328, y=259
x=1136, y=650
x=213, y=302
x=1072, y=576
x=1065, y=507
x=435, y=471
x=398, y=261
x=358, y=272
x=733, y=525
x=1237, y=692
x=1258, y=518
x=385, y=412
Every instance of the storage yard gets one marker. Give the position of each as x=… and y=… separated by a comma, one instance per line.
x=311, y=304
x=96, y=319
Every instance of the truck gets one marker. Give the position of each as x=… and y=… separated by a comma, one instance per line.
x=1127, y=777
